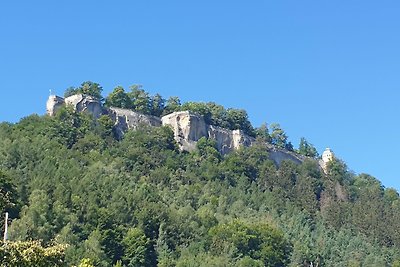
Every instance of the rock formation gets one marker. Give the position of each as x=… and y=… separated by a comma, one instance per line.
x=278, y=155
x=53, y=104
x=126, y=119
x=84, y=103
x=188, y=128
x=80, y=103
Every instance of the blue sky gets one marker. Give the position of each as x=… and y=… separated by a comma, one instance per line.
x=325, y=70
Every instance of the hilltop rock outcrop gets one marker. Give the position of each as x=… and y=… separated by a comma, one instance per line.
x=188, y=128
x=80, y=103
x=85, y=103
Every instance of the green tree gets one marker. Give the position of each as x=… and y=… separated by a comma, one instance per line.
x=278, y=136
x=118, y=98
x=307, y=149
x=35, y=221
x=157, y=105
x=94, y=251
x=219, y=116
x=173, y=104
x=198, y=108
x=90, y=88
x=140, y=99
x=8, y=197
x=238, y=119
x=262, y=132
x=257, y=241
x=86, y=263
x=136, y=248
x=31, y=254
x=70, y=91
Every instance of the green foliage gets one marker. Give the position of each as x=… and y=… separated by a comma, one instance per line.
x=86, y=88
x=118, y=98
x=8, y=197
x=90, y=88
x=86, y=263
x=173, y=104
x=307, y=149
x=278, y=136
x=31, y=254
x=140, y=99
x=70, y=91
x=262, y=133
x=260, y=242
x=157, y=105
x=136, y=248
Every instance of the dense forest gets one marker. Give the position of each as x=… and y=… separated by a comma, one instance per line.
x=78, y=196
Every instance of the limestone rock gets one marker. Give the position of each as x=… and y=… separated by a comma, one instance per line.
x=85, y=103
x=241, y=139
x=188, y=128
x=278, y=155
x=228, y=140
x=126, y=119
x=53, y=104
x=223, y=138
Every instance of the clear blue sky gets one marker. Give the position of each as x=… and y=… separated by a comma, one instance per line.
x=325, y=70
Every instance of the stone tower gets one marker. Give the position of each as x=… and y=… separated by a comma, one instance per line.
x=327, y=156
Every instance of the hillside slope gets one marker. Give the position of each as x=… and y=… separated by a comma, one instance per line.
x=140, y=201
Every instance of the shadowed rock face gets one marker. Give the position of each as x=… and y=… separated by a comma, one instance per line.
x=279, y=155
x=84, y=103
x=80, y=103
x=127, y=119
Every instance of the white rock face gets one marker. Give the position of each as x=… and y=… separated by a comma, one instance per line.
x=228, y=140
x=223, y=138
x=126, y=119
x=85, y=103
x=53, y=104
x=241, y=139
x=188, y=128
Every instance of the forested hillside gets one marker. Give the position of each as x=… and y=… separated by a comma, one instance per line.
x=140, y=201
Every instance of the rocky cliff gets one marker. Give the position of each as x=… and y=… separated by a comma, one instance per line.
x=53, y=104
x=80, y=103
x=188, y=128
x=126, y=119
